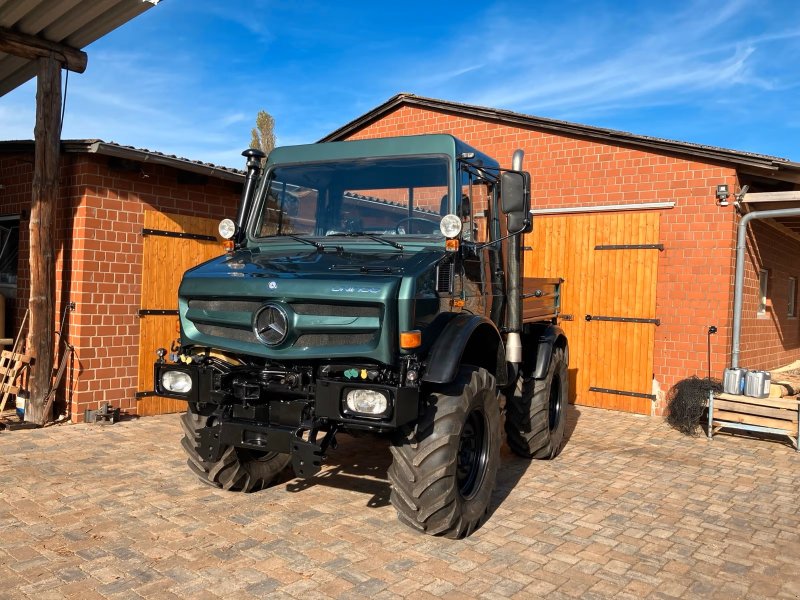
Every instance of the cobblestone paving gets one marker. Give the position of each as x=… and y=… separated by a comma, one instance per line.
x=630, y=509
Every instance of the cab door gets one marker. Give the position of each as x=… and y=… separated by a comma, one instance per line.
x=479, y=262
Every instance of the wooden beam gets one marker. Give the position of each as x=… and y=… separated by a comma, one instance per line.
x=32, y=48
x=47, y=133
x=783, y=229
x=772, y=197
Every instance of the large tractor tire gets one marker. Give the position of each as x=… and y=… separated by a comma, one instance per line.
x=444, y=468
x=237, y=469
x=536, y=411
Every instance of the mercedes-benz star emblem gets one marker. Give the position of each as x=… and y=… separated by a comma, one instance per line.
x=271, y=324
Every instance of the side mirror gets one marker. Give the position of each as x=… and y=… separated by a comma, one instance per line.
x=515, y=196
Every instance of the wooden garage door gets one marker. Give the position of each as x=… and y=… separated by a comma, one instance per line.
x=609, y=262
x=172, y=244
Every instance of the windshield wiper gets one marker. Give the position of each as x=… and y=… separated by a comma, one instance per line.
x=317, y=245
x=370, y=236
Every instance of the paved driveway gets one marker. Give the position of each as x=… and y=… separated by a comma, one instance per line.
x=630, y=509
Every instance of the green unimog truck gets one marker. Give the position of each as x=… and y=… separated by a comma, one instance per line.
x=373, y=286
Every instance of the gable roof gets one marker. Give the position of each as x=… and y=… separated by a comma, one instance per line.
x=760, y=162
x=142, y=155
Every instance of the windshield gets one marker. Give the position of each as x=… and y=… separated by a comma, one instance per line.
x=399, y=196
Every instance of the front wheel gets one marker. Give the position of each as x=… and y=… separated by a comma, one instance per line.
x=237, y=469
x=444, y=468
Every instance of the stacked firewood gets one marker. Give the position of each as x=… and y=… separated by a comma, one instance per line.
x=785, y=383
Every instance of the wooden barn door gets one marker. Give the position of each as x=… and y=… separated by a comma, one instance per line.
x=172, y=244
x=609, y=262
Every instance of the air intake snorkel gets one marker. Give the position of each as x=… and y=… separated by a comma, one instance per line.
x=254, y=158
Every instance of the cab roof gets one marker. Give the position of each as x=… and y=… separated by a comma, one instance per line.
x=410, y=145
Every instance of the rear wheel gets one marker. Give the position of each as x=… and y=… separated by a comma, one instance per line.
x=536, y=411
x=444, y=468
x=237, y=469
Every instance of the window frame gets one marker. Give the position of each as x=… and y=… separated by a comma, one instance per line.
x=791, y=298
x=763, y=292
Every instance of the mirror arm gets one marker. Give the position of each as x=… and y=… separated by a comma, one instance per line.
x=505, y=237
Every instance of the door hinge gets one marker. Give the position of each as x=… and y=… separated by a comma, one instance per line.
x=622, y=319
x=622, y=393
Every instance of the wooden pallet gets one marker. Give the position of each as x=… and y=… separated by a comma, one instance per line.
x=11, y=367
x=765, y=415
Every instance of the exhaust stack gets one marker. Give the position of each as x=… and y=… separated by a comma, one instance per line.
x=514, y=315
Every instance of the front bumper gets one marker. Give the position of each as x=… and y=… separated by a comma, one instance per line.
x=264, y=418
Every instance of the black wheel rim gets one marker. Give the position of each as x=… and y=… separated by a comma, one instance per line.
x=554, y=413
x=473, y=453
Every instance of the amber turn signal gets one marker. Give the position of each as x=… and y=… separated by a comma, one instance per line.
x=451, y=245
x=410, y=339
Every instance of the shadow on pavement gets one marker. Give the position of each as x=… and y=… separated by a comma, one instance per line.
x=513, y=467
x=360, y=464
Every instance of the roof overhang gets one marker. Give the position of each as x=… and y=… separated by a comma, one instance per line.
x=770, y=201
x=140, y=155
x=770, y=167
x=68, y=25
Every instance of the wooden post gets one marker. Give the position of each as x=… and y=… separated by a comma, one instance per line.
x=42, y=239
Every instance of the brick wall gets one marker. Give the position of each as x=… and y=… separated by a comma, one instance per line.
x=98, y=229
x=16, y=177
x=771, y=339
x=696, y=268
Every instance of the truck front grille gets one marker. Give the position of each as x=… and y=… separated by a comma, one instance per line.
x=232, y=320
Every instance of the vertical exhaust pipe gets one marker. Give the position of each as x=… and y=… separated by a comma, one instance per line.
x=514, y=314
x=254, y=158
x=516, y=159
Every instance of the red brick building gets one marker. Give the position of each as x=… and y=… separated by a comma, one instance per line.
x=632, y=223
x=109, y=194
x=591, y=187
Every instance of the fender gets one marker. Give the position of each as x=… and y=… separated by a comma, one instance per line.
x=471, y=338
x=545, y=339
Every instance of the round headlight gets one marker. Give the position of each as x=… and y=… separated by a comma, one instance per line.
x=450, y=226
x=227, y=229
x=177, y=382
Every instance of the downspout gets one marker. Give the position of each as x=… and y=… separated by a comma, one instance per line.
x=741, y=244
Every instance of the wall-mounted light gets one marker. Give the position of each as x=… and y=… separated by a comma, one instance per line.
x=723, y=194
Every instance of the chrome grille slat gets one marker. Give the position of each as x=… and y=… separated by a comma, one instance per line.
x=226, y=305
x=336, y=310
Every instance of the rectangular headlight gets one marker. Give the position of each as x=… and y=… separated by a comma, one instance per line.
x=367, y=402
x=177, y=382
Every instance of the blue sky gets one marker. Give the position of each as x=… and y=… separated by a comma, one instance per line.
x=188, y=76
